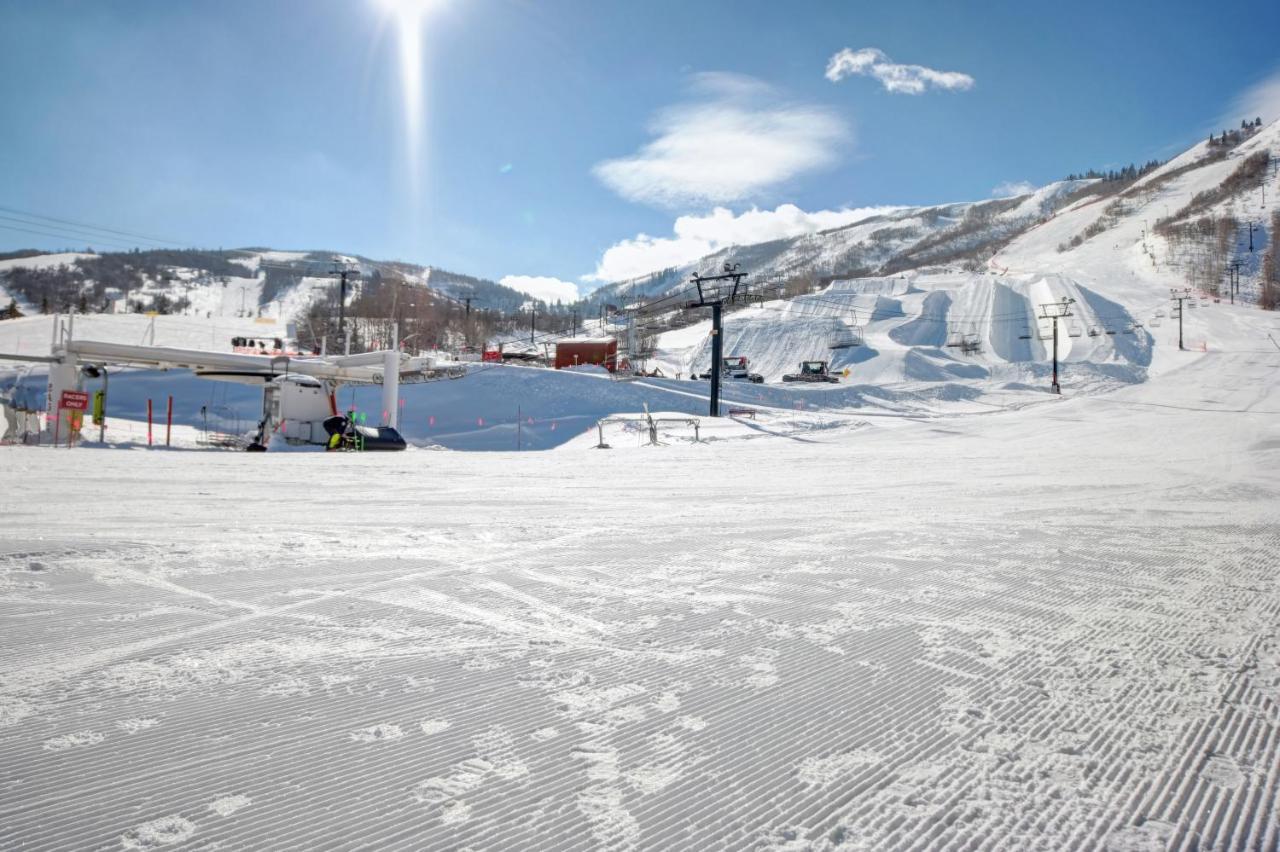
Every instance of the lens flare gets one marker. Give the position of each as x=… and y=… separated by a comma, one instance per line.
x=409, y=20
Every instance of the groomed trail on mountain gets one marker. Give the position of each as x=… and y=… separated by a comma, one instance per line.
x=1047, y=626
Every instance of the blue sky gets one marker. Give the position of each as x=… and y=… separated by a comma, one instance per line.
x=556, y=130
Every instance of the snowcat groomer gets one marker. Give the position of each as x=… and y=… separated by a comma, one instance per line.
x=735, y=367
x=812, y=371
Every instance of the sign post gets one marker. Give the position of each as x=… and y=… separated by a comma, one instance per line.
x=74, y=401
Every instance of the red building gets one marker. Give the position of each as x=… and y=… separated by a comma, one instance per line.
x=587, y=350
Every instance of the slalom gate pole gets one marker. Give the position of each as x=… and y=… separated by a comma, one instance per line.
x=168, y=422
x=148, y=422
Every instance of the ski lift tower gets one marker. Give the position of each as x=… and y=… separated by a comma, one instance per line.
x=715, y=291
x=344, y=268
x=1055, y=311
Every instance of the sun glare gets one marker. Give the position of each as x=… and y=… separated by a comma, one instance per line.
x=409, y=20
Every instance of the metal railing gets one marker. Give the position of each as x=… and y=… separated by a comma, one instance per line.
x=650, y=422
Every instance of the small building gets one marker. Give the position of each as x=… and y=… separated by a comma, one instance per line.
x=602, y=351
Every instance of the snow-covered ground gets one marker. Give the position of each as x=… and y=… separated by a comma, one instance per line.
x=1046, y=626
x=931, y=607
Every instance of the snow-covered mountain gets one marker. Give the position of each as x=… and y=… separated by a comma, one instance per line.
x=1033, y=232
x=257, y=282
x=957, y=295
x=961, y=234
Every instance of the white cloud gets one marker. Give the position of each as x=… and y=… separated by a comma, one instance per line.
x=899, y=79
x=543, y=288
x=1261, y=100
x=1011, y=189
x=697, y=236
x=738, y=139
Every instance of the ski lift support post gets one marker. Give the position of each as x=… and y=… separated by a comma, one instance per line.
x=1180, y=296
x=714, y=298
x=1055, y=311
x=343, y=270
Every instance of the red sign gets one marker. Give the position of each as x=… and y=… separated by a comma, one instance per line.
x=74, y=400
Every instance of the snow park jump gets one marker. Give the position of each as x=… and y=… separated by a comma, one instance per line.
x=625, y=467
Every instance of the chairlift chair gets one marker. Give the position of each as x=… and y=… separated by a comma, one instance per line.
x=1073, y=330
x=1094, y=331
x=846, y=337
x=1110, y=330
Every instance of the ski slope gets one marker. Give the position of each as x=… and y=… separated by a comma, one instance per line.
x=909, y=322
x=1130, y=262
x=1039, y=627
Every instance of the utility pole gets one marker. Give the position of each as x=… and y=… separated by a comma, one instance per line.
x=715, y=298
x=1055, y=311
x=1180, y=296
x=1250, y=238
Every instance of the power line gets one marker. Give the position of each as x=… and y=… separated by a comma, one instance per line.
x=85, y=225
x=74, y=234
x=63, y=236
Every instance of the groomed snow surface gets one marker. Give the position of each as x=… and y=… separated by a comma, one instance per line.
x=1052, y=624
